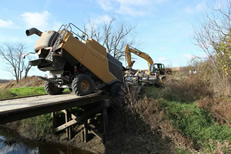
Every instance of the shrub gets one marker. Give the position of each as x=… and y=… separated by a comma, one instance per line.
x=219, y=83
x=186, y=89
x=219, y=108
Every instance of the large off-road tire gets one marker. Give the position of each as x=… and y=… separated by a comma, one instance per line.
x=163, y=79
x=117, y=90
x=52, y=89
x=82, y=85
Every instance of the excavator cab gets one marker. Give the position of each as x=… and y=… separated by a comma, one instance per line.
x=152, y=69
x=159, y=68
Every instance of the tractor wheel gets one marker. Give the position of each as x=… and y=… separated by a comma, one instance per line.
x=52, y=89
x=163, y=78
x=82, y=85
x=116, y=90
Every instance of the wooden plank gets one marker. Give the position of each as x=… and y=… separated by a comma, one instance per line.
x=95, y=132
x=66, y=125
x=90, y=113
x=82, y=135
x=26, y=112
x=73, y=116
x=102, y=107
x=69, y=129
x=7, y=99
x=79, y=119
x=105, y=125
x=7, y=105
x=66, y=112
x=85, y=130
x=54, y=119
x=67, y=119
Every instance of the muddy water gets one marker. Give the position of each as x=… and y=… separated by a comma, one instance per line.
x=11, y=143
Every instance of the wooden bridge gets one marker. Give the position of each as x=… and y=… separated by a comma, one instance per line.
x=21, y=108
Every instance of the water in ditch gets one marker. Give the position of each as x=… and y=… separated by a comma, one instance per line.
x=11, y=143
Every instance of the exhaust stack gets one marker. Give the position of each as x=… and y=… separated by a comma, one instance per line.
x=32, y=31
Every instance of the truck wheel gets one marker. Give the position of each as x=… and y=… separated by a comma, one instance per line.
x=116, y=90
x=82, y=85
x=52, y=89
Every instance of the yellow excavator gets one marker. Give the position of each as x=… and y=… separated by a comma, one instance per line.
x=156, y=73
x=150, y=77
x=130, y=49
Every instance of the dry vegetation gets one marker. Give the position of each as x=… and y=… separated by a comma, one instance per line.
x=172, y=112
x=185, y=89
x=219, y=108
x=150, y=111
x=25, y=82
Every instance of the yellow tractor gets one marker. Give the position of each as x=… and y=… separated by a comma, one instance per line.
x=75, y=62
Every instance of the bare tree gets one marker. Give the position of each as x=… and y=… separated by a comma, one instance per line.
x=12, y=54
x=214, y=36
x=27, y=68
x=113, y=39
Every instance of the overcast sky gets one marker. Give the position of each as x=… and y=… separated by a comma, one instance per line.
x=164, y=28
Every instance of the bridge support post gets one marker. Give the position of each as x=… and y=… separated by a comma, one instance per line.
x=90, y=121
x=105, y=122
x=54, y=119
x=85, y=134
x=67, y=119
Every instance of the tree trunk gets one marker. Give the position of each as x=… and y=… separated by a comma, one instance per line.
x=27, y=71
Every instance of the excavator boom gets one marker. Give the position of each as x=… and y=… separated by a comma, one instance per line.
x=129, y=50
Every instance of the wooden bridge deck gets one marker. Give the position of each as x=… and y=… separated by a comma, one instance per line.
x=21, y=108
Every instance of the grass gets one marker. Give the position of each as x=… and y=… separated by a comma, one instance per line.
x=152, y=92
x=196, y=124
x=193, y=121
x=28, y=91
x=23, y=92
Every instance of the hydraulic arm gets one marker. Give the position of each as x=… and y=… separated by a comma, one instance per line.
x=145, y=56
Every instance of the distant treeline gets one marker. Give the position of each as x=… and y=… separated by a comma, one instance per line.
x=4, y=81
